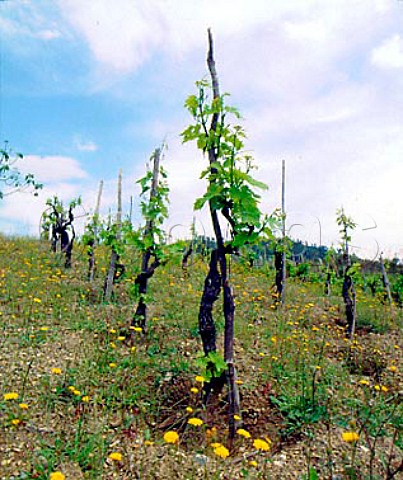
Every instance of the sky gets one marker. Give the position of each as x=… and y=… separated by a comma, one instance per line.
x=87, y=88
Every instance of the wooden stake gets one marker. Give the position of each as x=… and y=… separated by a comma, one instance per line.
x=283, y=273
x=108, y=286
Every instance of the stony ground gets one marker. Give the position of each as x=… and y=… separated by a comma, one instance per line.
x=88, y=386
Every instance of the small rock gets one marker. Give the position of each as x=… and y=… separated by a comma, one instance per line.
x=200, y=459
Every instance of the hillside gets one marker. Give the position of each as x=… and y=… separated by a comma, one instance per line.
x=85, y=395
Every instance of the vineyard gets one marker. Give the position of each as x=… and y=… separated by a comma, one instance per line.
x=84, y=394
x=233, y=353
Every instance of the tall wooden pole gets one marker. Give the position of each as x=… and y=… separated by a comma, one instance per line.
x=385, y=281
x=94, y=241
x=283, y=273
x=108, y=286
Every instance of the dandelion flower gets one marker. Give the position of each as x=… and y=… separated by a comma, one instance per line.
x=237, y=418
x=115, y=456
x=239, y=382
x=253, y=463
x=113, y=365
x=215, y=445
x=10, y=396
x=243, y=433
x=121, y=338
x=262, y=445
x=194, y=390
x=171, y=437
x=189, y=409
x=37, y=300
x=85, y=399
x=221, y=451
x=136, y=329
x=23, y=406
x=15, y=421
x=392, y=368
x=56, y=371
x=350, y=437
x=57, y=476
x=200, y=379
x=44, y=329
x=196, y=422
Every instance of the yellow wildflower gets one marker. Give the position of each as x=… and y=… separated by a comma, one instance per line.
x=215, y=445
x=136, y=329
x=57, y=476
x=221, y=451
x=15, y=421
x=85, y=399
x=253, y=463
x=148, y=443
x=210, y=432
x=37, y=300
x=189, y=409
x=113, y=365
x=237, y=418
x=10, y=396
x=121, y=338
x=171, y=437
x=200, y=379
x=194, y=390
x=44, y=329
x=23, y=406
x=56, y=371
x=243, y=433
x=115, y=456
x=260, y=444
x=196, y=422
x=349, y=437
x=363, y=382
x=392, y=368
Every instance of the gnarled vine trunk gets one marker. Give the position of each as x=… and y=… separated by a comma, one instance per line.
x=217, y=278
x=147, y=269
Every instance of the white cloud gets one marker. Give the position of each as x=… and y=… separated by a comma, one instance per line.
x=86, y=146
x=48, y=34
x=52, y=168
x=61, y=176
x=119, y=35
x=125, y=36
x=389, y=54
x=312, y=30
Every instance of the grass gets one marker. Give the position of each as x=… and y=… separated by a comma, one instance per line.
x=91, y=387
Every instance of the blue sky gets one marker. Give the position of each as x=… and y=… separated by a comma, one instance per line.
x=91, y=87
